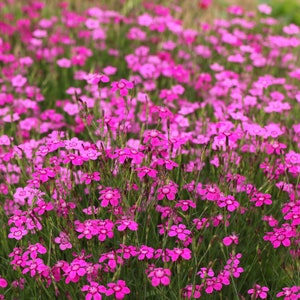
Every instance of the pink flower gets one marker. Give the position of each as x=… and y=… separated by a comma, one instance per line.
x=94, y=291
x=3, y=283
x=64, y=241
x=123, y=86
x=160, y=276
x=178, y=253
x=229, y=202
x=64, y=63
x=259, y=292
x=75, y=270
x=265, y=9
x=34, y=250
x=185, y=204
x=169, y=191
x=290, y=293
x=18, y=81
x=119, y=289
x=145, y=252
x=204, y=4
x=125, y=223
x=260, y=199
x=110, y=196
x=96, y=78
x=142, y=171
x=228, y=240
x=113, y=260
x=191, y=292
x=17, y=232
x=180, y=231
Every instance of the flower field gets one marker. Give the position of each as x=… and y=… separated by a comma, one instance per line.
x=144, y=159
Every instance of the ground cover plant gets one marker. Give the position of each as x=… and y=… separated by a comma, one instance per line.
x=141, y=159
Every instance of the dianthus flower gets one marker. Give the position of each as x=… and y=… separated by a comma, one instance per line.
x=169, y=191
x=185, y=204
x=112, y=259
x=180, y=231
x=229, y=202
x=228, y=240
x=145, y=252
x=142, y=171
x=280, y=236
x=17, y=232
x=160, y=276
x=94, y=291
x=260, y=199
x=188, y=293
x=289, y=293
x=96, y=78
x=75, y=270
x=119, y=289
x=123, y=86
x=64, y=241
x=259, y=292
x=34, y=250
x=109, y=196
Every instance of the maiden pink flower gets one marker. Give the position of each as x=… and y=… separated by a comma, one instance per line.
x=180, y=231
x=119, y=289
x=228, y=240
x=160, y=276
x=64, y=241
x=123, y=86
x=94, y=291
x=259, y=292
x=17, y=232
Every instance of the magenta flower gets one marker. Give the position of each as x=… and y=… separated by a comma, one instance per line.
x=119, y=289
x=145, y=252
x=75, y=270
x=191, y=292
x=280, y=236
x=160, y=276
x=210, y=192
x=17, y=232
x=127, y=251
x=3, y=283
x=76, y=160
x=180, y=231
x=228, y=240
x=260, y=199
x=142, y=171
x=113, y=260
x=44, y=174
x=259, y=292
x=229, y=202
x=64, y=63
x=94, y=291
x=125, y=223
x=289, y=293
x=18, y=81
x=96, y=78
x=169, y=164
x=185, y=204
x=123, y=86
x=88, y=178
x=169, y=191
x=42, y=207
x=34, y=250
x=178, y=253
x=212, y=284
x=64, y=241
x=109, y=196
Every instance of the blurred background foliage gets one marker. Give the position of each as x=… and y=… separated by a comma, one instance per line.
x=288, y=11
